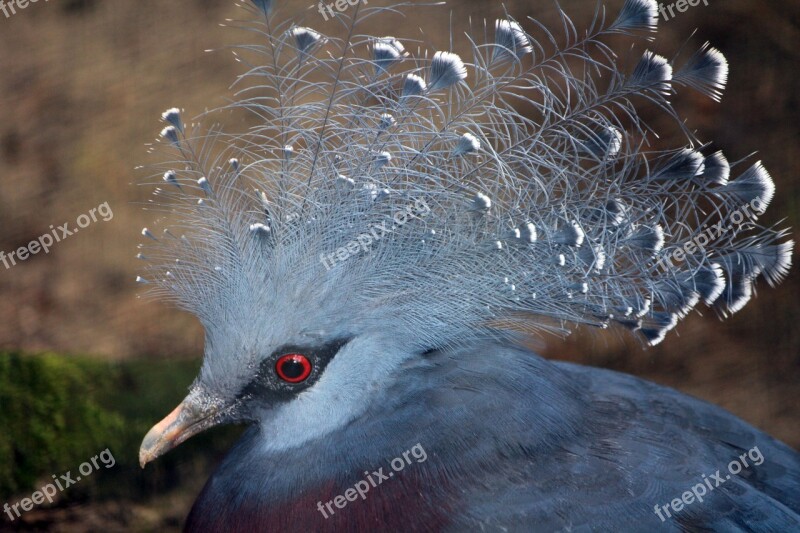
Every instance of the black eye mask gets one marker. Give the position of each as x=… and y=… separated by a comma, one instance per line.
x=269, y=386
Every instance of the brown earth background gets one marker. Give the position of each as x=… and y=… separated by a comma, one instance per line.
x=82, y=85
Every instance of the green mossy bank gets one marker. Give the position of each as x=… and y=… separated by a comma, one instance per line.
x=57, y=412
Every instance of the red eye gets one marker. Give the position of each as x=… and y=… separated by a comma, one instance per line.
x=293, y=367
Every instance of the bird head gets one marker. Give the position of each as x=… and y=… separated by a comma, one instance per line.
x=290, y=355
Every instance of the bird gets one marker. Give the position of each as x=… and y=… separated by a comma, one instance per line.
x=371, y=253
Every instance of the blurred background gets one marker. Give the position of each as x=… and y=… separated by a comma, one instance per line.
x=85, y=365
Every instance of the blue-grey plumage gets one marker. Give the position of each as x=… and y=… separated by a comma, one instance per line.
x=363, y=259
x=553, y=447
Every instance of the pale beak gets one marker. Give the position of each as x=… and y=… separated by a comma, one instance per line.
x=187, y=420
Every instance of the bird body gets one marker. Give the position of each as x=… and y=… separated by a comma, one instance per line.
x=368, y=257
x=556, y=447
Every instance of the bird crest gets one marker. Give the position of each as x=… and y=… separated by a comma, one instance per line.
x=441, y=197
